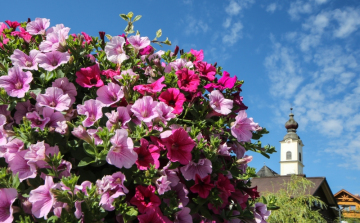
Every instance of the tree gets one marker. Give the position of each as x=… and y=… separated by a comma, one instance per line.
x=295, y=203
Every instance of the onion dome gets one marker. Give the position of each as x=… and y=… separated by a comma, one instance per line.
x=291, y=125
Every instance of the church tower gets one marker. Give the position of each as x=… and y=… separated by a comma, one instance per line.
x=291, y=152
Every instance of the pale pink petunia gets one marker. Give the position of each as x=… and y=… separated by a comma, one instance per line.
x=8, y=196
x=261, y=213
x=92, y=109
x=24, y=61
x=66, y=86
x=119, y=117
x=54, y=98
x=109, y=94
x=238, y=149
x=183, y=216
x=219, y=103
x=163, y=185
x=179, y=64
x=55, y=38
x=52, y=60
x=61, y=127
x=115, y=50
x=54, y=117
x=165, y=112
x=224, y=150
x=21, y=109
x=37, y=120
x=92, y=132
x=13, y=146
x=242, y=127
x=17, y=82
x=203, y=167
x=81, y=133
x=38, y=26
x=139, y=42
x=18, y=164
x=152, y=88
x=122, y=152
x=42, y=199
x=145, y=109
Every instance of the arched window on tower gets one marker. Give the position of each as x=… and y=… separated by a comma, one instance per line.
x=288, y=155
x=299, y=156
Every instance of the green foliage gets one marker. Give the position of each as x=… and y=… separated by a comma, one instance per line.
x=295, y=203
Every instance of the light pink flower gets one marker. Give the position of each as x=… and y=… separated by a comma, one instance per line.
x=38, y=26
x=122, y=152
x=145, y=109
x=36, y=120
x=8, y=196
x=165, y=112
x=92, y=132
x=19, y=58
x=21, y=109
x=111, y=187
x=139, y=42
x=261, y=213
x=203, y=168
x=54, y=117
x=67, y=87
x=17, y=82
x=219, y=103
x=179, y=64
x=224, y=150
x=55, y=38
x=110, y=94
x=162, y=185
x=92, y=109
x=114, y=50
x=13, y=146
x=242, y=127
x=61, y=127
x=54, y=98
x=42, y=199
x=52, y=60
x=120, y=117
x=81, y=133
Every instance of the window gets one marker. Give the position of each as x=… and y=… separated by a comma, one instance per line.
x=288, y=155
x=299, y=156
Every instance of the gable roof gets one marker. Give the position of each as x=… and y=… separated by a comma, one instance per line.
x=357, y=197
x=266, y=172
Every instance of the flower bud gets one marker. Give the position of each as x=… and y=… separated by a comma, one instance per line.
x=102, y=35
x=176, y=51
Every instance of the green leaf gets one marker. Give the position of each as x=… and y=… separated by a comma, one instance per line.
x=15, y=181
x=85, y=161
x=167, y=41
x=130, y=15
x=137, y=18
x=124, y=17
x=89, y=149
x=158, y=33
x=108, y=36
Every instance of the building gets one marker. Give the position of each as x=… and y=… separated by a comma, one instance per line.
x=349, y=204
x=291, y=162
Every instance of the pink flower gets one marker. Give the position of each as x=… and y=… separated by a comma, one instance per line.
x=139, y=42
x=179, y=64
x=52, y=60
x=187, y=80
x=147, y=50
x=261, y=213
x=121, y=117
x=145, y=198
x=243, y=127
x=89, y=77
x=183, y=216
x=121, y=154
x=38, y=26
x=179, y=145
x=150, y=88
x=165, y=112
x=55, y=38
x=54, y=98
x=224, y=150
x=109, y=94
x=219, y=103
x=8, y=196
x=147, y=154
x=240, y=197
x=53, y=116
x=144, y=109
x=81, y=133
x=17, y=82
x=21, y=109
x=114, y=50
x=36, y=120
x=224, y=185
x=19, y=58
x=163, y=185
x=18, y=164
x=42, y=199
x=22, y=34
x=110, y=73
x=92, y=109
x=153, y=215
x=67, y=87
x=202, y=186
x=202, y=168
x=174, y=98
x=87, y=38
x=225, y=82
x=199, y=55
x=206, y=70
x=92, y=132
x=13, y=25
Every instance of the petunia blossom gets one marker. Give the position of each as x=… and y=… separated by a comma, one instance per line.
x=261, y=213
x=52, y=60
x=153, y=215
x=147, y=154
x=22, y=34
x=17, y=82
x=152, y=88
x=38, y=26
x=202, y=186
x=109, y=94
x=8, y=196
x=183, y=216
x=24, y=61
x=89, y=77
x=145, y=198
x=139, y=42
x=115, y=50
x=54, y=98
x=203, y=168
x=199, y=55
x=225, y=82
x=242, y=127
x=67, y=87
x=187, y=80
x=145, y=109
x=122, y=152
x=119, y=117
x=93, y=111
x=174, y=98
x=206, y=70
x=219, y=103
x=55, y=38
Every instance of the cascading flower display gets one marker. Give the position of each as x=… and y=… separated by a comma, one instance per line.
x=96, y=130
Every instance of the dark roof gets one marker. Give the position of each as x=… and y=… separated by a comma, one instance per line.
x=357, y=197
x=266, y=172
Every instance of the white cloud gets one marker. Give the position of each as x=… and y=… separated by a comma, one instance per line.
x=233, y=8
x=272, y=7
x=349, y=21
x=227, y=23
x=299, y=7
x=234, y=35
x=195, y=26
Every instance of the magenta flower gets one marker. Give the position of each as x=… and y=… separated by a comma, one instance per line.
x=67, y=87
x=206, y=70
x=38, y=26
x=54, y=98
x=114, y=50
x=153, y=215
x=178, y=144
x=8, y=196
x=89, y=77
x=219, y=103
x=13, y=24
x=202, y=186
x=139, y=42
x=261, y=213
x=202, y=168
x=174, y=98
x=243, y=127
x=225, y=82
x=17, y=82
x=22, y=34
x=120, y=117
x=92, y=109
x=42, y=199
x=19, y=58
x=109, y=94
x=187, y=80
x=145, y=198
x=122, y=152
x=147, y=154
x=224, y=185
x=144, y=109
x=199, y=55
x=51, y=60
x=150, y=88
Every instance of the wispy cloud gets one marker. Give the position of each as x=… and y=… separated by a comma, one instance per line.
x=234, y=34
x=349, y=21
x=195, y=26
x=272, y=7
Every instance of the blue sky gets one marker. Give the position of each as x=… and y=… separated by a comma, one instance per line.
x=300, y=53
